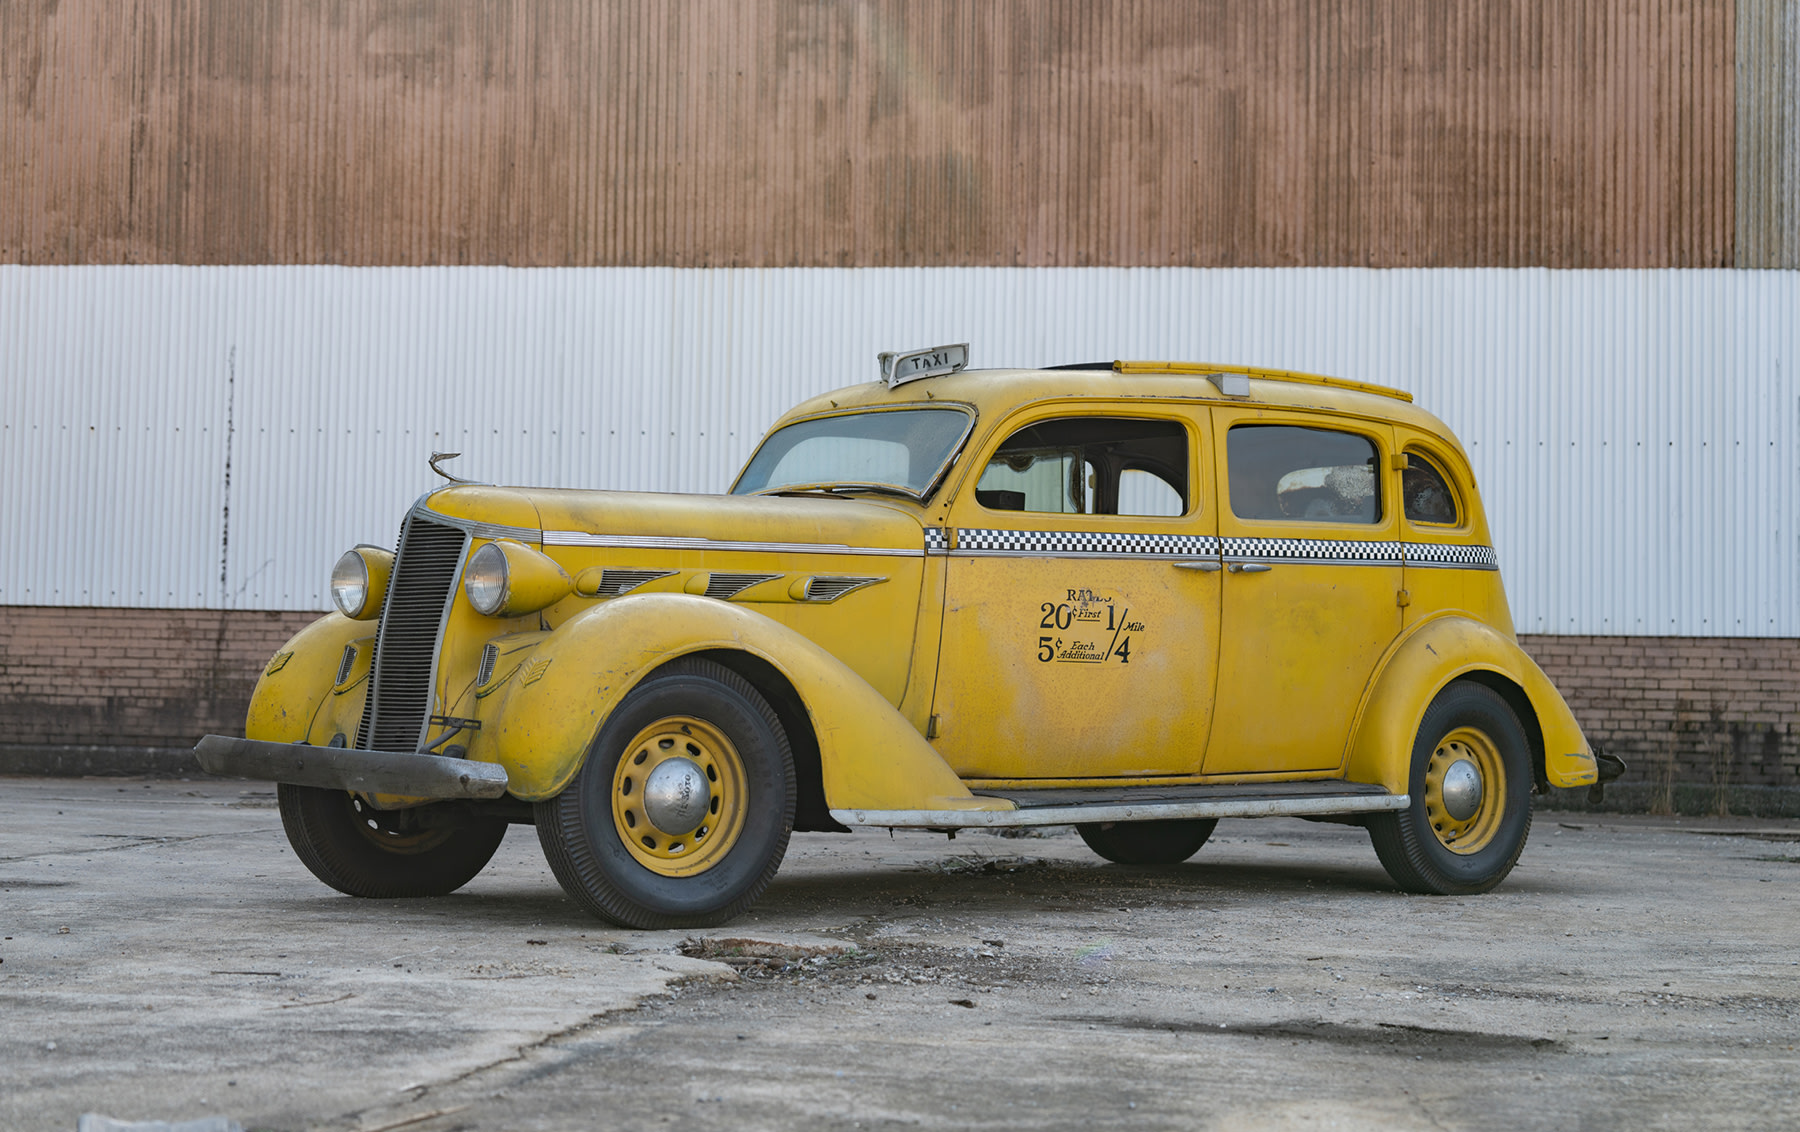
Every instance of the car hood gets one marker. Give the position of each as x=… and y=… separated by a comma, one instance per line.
x=561, y=515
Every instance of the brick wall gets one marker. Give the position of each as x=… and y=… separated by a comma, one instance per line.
x=1705, y=710
x=131, y=677
x=1708, y=710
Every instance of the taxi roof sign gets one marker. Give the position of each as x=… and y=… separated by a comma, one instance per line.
x=900, y=368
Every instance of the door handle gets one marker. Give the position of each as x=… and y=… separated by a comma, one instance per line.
x=1204, y=565
x=1249, y=567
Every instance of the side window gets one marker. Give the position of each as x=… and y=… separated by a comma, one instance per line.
x=1089, y=466
x=1425, y=492
x=1288, y=472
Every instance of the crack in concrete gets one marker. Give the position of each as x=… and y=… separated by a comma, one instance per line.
x=519, y=1056
x=1386, y=1036
x=136, y=842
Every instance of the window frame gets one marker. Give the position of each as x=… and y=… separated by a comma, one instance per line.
x=933, y=485
x=1161, y=412
x=1349, y=426
x=1459, y=497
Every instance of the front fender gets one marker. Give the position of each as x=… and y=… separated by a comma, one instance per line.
x=1435, y=653
x=870, y=756
x=301, y=677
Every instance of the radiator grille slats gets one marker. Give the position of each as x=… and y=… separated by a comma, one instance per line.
x=423, y=582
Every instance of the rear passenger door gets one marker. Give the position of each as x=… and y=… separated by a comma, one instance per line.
x=1081, y=599
x=1310, y=540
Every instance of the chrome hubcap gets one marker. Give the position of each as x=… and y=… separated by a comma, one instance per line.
x=676, y=797
x=1462, y=790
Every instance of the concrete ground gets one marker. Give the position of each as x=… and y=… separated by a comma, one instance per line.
x=166, y=957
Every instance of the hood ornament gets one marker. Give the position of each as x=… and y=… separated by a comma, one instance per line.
x=436, y=456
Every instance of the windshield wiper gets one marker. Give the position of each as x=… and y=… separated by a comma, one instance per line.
x=802, y=492
x=838, y=490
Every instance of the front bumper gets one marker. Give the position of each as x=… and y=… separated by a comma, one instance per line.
x=339, y=768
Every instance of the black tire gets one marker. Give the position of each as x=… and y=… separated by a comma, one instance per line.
x=1415, y=844
x=358, y=850
x=584, y=829
x=1147, y=842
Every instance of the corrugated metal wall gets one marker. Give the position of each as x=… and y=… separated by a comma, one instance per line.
x=215, y=437
x=1768, y=133
x=1399, y=133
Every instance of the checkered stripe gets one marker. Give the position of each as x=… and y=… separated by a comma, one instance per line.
x=1343, y=552
x=1339, y=552
x=978, y=540
x=1452, y=556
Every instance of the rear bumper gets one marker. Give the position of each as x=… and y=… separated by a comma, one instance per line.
x=338, y=768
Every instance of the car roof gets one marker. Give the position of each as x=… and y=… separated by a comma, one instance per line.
x=997, y=391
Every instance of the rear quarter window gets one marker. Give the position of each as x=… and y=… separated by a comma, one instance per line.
x=1425, y=493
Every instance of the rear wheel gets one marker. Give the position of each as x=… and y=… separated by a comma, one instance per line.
x=1147, y=842
x=681, y=813
x=1470, y=785
x=363, y=851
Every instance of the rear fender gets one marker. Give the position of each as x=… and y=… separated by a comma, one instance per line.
x=1450, y=648
x=870, y=757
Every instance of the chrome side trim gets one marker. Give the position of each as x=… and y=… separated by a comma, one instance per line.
x=478, y=529
x=682, y=542
x=1129, y=811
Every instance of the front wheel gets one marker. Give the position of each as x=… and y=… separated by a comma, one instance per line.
x=363, y=851
x=1470, y=786
x=1147, y=842
x=681, y=813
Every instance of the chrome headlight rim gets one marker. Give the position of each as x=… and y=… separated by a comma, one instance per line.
x=359, y=581
x=350, y=587
x=487, y=580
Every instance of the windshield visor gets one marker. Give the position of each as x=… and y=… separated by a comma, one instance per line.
x=901, y=450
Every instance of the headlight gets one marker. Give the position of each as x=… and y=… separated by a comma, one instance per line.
x=485, y=578
x=359, y=581
x=509, y=579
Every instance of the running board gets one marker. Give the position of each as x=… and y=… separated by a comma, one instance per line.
x=1073, y=807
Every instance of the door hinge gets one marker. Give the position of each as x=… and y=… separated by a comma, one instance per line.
x=1403, y=599
x=931, y=728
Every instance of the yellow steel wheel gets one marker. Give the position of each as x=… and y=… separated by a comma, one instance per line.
x=681, y=813
x=1465, y=790
x=1468, y=809
x=679, y=796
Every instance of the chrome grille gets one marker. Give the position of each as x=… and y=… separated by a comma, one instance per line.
x=412, y=617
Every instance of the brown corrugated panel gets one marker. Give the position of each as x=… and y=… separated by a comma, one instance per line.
x=1768, y=140
x=1563, y=133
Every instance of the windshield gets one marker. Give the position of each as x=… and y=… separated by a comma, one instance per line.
x=902, y=450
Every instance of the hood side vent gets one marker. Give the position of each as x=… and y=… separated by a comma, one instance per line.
x=828, y=588
x=730, y=585
x=615, y=582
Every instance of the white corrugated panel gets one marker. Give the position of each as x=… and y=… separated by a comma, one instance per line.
x=1635, y=431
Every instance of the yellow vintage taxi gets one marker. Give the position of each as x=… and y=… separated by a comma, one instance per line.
x=1128, y=597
